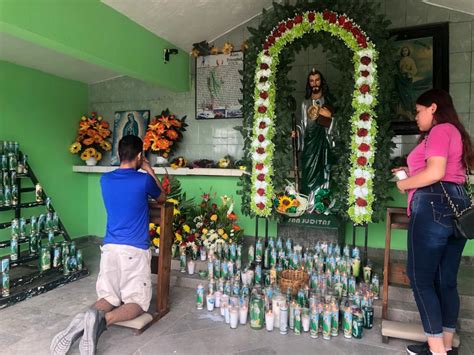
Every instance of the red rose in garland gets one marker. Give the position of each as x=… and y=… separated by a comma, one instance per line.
x=276, y=33
x=271, y=40
x=332, y=18
x=289, y=24
x=262, y=109
x=360, y=181
x=347, y=25
x=326, y=15
x=356, y=32
x=260, y=150
x=260, y=205
x=364, y=147
x=282, y=27
x=364, y=116
x=311, y=16
x=263, y=79
x=264, y=66
x=362, y=161
x=364, y=89
x=298, y=19
x=365, y=60
x=361, y=202
x=261, y=191
x=266, y=46
x=261, y=138
x=362, y=42
x=362, y=132
x=364, y=73
x=264, y=95
x=262, y=125
x=261, y=177
x=259, y=166
x=341, y=20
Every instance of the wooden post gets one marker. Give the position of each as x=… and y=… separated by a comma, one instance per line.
x=162, y=215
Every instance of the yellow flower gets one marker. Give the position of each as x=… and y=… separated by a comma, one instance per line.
x=178, y=237
x=84, y=118
x=225, y=236
x=173, y=200
x=220, y=231
x=156, y=242
x=176, y=212
x=106, y=146
x=91, y=151
x=214, y=217
x=98, y=155
x=204, y=231
x=85, y=155
x=151, y=226
x=75, y=147
x=158, y=230
x=284, y=203
x=186, y=228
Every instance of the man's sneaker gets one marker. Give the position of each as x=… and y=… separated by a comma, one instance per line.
x=418, y=348
x=88, y=343
x=62, y=341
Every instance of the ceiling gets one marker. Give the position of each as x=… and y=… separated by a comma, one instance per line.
x=184, y=22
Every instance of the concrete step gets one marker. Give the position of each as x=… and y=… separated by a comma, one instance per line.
x=407, y=312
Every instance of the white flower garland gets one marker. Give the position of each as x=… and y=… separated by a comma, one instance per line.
x=364, y=127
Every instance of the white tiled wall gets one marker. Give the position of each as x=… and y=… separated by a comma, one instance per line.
x=213, y=139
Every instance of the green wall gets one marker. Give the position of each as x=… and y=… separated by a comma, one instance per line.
x=41, y=112
x=195, y=186
x=91, y=31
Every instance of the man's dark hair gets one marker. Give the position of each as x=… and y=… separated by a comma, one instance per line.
x=129, y=147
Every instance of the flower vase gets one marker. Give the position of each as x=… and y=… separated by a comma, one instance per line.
x=91, y=161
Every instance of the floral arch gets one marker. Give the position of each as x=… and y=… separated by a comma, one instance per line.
x=360, y=195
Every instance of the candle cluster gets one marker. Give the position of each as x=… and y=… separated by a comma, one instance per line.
x=331, y=298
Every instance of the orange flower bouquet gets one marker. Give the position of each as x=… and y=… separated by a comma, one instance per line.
x=163, y=133
x=91, y=140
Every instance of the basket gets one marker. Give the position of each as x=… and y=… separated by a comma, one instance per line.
x=295, y=279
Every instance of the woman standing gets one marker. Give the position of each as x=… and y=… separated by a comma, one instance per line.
x=437, y=163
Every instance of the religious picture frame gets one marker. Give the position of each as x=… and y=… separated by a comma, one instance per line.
x=422, y=63
x=218, y=86
x=128, y=123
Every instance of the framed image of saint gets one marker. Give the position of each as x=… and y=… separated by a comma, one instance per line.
x=218, y=86
x=422, y=61
x=128, y=123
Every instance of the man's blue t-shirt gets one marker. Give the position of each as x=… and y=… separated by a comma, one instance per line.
x=125, y=193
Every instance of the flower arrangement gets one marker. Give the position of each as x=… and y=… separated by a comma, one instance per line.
x=91, y=140
x=284, y=202
x=364, y=100
x=163, y=133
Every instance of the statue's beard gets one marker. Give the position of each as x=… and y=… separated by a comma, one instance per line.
x=316, y=89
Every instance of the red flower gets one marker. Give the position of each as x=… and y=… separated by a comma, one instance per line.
x=191, y=238
x=356, y=32
x=365, y=60
x=261, y=177
x=262, y=109
x=260, y=205
x=263, y=79
x=364, y=89
x=362, y=132
x=364, y=116
x=311, y=16
x=347, y=25
x=264, y=66
x=266, y=46
x=264, y=95
x=261, y=191
x=298, y=19
x=362, y=41
x=362, y=161
x=260, y=150
x=332, y=18
x=364, y=147
x=259, y=166
x=326, y=14
x=361, y=202
x=262, y=125
x=364, y=73
x=267, y=53
x=289, y=24
x=276, y=33
x=341, y=20
x=214, y=206
x=282, y=27
x=360, y=181
x=261, y=138
x=271, y=40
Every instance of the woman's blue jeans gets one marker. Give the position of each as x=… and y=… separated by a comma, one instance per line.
x=434, y=255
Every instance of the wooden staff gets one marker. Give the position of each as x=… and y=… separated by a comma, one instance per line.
x=291, y=104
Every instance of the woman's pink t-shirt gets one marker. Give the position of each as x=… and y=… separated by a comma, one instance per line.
x=444, y=140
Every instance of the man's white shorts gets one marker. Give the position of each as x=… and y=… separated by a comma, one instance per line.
x=124, y=275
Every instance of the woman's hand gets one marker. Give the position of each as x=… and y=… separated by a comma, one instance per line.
x=403, y=168
x=400, y=186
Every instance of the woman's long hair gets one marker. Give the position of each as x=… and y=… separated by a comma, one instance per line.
x=446, y=113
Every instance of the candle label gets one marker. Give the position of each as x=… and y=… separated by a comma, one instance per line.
x=327, y=320
x=314, y=324
x=347, y=323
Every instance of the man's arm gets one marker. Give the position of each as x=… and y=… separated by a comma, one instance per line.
x=149, y=170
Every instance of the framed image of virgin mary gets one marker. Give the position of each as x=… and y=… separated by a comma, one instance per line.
x=422, y=61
